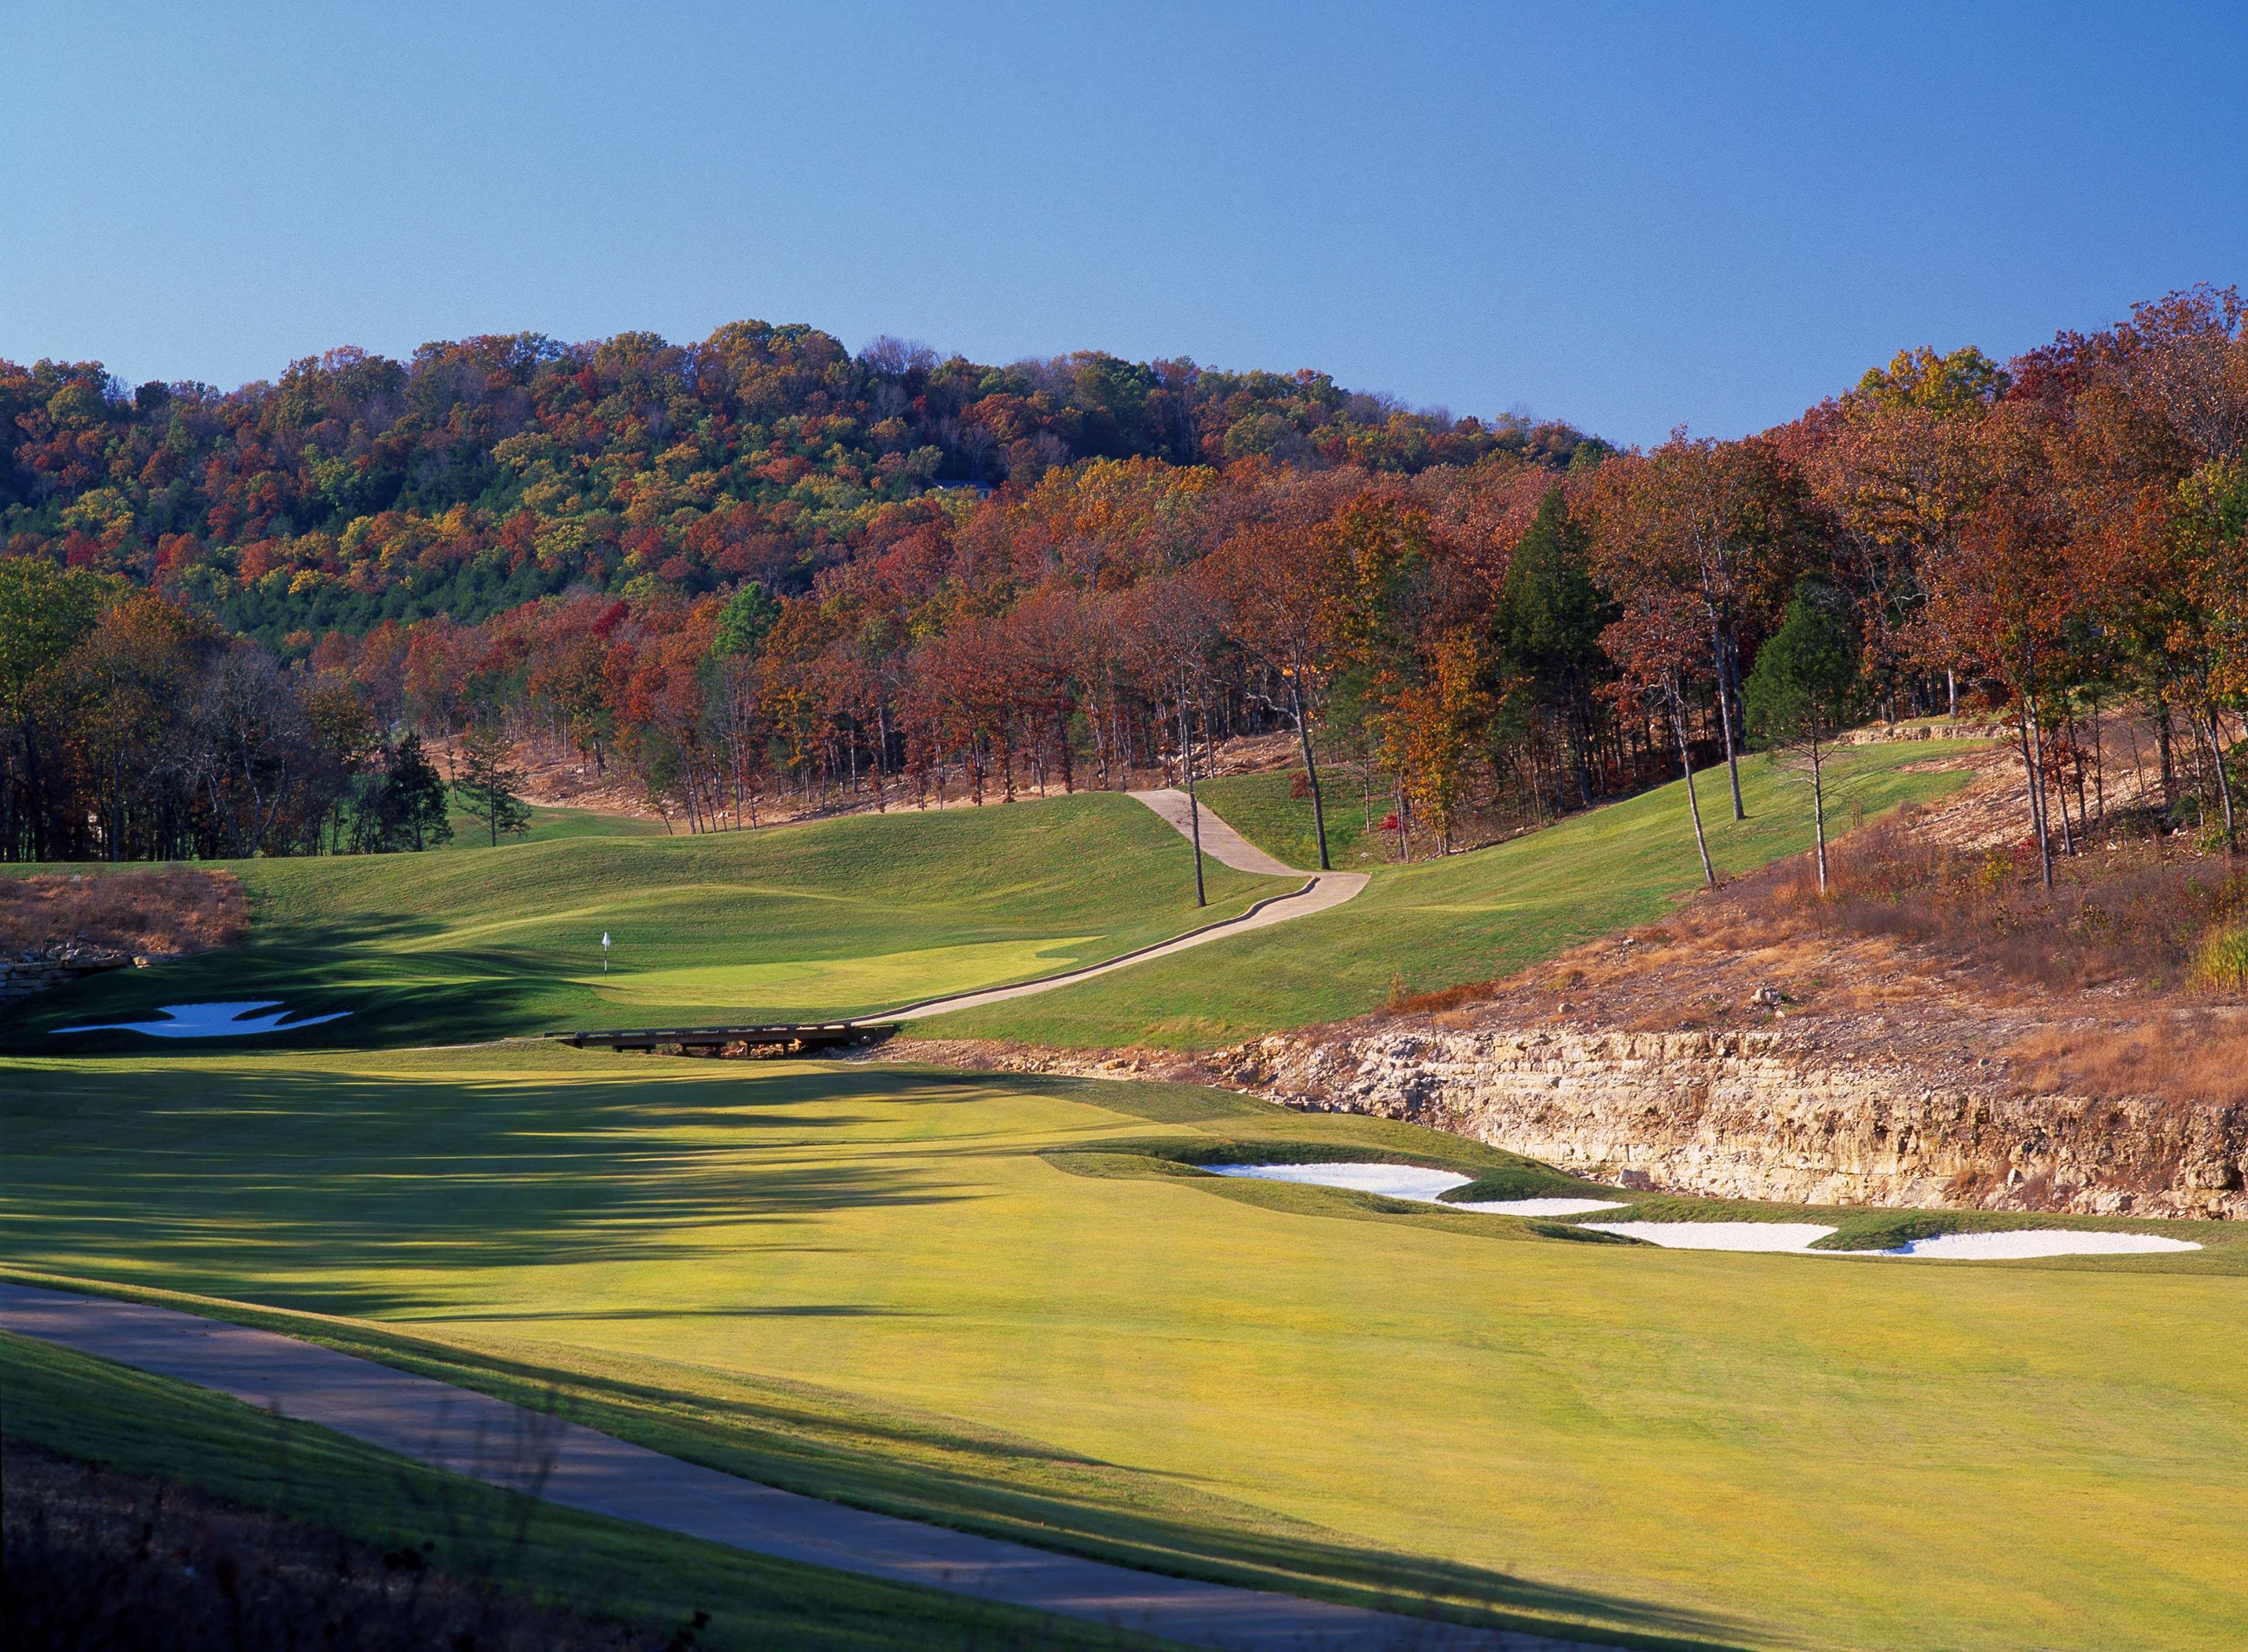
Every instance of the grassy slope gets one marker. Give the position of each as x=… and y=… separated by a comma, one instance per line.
x=842, y=917
x=868, y=1281
x=1437, y=924
x=93, y=1410
x=548, y=824
x=1260, y=809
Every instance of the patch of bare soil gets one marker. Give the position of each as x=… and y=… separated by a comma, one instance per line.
x=153, y=912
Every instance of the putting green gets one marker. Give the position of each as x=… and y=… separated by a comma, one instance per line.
x=801, y=985
x=877, y=1283
x=838, y=918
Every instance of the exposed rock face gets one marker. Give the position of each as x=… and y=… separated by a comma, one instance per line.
x=1757, y=1115
x=35, y=972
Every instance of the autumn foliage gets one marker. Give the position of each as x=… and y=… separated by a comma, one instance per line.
x=760, y=568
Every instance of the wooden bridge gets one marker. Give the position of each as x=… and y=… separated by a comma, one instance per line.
x=785, y=1039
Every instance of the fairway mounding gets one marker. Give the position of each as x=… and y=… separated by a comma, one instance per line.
x=212, y=1020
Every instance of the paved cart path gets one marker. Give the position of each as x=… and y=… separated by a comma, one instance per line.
x=507, y=1446
x=1222, y=843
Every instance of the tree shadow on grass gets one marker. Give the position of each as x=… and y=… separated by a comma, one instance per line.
x=391, y=996
x=331, y=1191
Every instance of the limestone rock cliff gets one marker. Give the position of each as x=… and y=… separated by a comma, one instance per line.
x=1760, y=1114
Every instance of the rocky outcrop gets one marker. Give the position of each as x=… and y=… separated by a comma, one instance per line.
x=35, y=972
x=1759, y=1115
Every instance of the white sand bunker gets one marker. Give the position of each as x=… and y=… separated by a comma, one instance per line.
x=1958, y=1247
x=1537, y=1206
x=1391, y=1181
x=1410, y=1182
x=212, y=1020
x=1719, y=1236
x=2035, y=1241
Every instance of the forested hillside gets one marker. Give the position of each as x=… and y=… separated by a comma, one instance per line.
x=486, y=471
x=752, y=568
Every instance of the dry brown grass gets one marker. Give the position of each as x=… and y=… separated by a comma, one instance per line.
x=2132, y=917
x=2197, y=1058
x=162, y=912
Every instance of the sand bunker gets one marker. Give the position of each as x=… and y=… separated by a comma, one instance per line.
x=1411, y=1182
x=1958, y=1247
x=1391, y=1181
x=1719, y=1236
x=2036, y=1241
x=212, y=1020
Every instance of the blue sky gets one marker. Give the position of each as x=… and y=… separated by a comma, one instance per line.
x=1626, y=216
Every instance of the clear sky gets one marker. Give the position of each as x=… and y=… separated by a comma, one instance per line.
x=1626, y=216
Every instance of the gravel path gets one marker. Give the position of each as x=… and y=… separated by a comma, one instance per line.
x=503, y=1444
x=1222, y=843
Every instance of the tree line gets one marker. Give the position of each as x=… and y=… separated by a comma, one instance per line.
x=1498, y=635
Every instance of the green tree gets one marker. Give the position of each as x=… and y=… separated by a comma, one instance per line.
x=490, y=785
x=406, y=809
x=1546, y=634
x=1805, y=690
x=743, y=623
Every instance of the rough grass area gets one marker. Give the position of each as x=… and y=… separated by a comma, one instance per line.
x=334, y=1544
x=794, y=923
x=871, y=1283
x=1475, y=917
x=164, y=911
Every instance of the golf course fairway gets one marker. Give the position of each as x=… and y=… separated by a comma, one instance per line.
x=913, y=1290
x=794, y=923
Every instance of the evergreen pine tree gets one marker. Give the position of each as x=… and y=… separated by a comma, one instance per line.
x=490, y=786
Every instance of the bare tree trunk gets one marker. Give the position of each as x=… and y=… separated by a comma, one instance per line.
x=1311, y=772
x=1193, y=806
x=1686, y=767
x=1726, y=723
x=2024, y=721
x=1818, y=809
x=2215, y=735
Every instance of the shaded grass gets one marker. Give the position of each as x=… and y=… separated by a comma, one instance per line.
x=1438, y=923
x=98, y=1411
x=876, y=1284
x=791, y=923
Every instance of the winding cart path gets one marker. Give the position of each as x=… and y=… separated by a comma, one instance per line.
x=487, y=1439
x=1222, y=843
